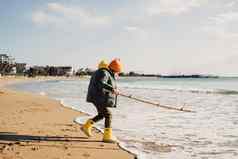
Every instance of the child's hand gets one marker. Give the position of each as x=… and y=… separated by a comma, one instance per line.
x=115, y=91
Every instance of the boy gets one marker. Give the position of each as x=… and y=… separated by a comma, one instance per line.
x=102, y=92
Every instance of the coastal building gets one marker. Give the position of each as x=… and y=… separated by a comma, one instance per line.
x=49, y=71
x=20, y=68
x=6, y=64
x=58, y=70
x=83, y=72
x=4, y=58
x=64, y=70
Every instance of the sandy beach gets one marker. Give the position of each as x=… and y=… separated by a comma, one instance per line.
x=34, y=126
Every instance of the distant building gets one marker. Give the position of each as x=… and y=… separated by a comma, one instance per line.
x=6, y=64
x=20, y=68
x=49, y=71
x=4, y=58
x=64, y=70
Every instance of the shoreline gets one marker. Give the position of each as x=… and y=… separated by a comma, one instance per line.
x=22, y=126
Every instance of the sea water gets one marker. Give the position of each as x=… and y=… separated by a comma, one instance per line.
x=152, y=132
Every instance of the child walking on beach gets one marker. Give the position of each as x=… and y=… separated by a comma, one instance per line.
x=102, y=92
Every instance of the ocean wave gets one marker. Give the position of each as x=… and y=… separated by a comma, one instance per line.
x=227, y=92
x=216, y=91
x=191, y=90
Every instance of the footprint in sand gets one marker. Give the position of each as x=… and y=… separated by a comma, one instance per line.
x=66, y=129
x=86, y=155
x=34, y=148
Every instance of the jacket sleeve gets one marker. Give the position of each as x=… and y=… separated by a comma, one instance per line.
x=102, y=83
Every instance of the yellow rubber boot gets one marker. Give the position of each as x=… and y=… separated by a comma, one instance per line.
x=87, y=127
x=108, y=137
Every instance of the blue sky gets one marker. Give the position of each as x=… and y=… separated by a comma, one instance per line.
x=150, y=36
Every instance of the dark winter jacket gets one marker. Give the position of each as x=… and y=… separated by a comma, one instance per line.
x=100, y=88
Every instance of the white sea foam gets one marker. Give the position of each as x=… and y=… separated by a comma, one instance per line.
x=42, y=93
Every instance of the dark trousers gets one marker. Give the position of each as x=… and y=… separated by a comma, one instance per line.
x=103, y=112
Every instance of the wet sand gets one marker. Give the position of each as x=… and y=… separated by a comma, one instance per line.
x=34, y=126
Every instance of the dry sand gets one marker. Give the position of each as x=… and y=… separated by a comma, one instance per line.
x=36, y=127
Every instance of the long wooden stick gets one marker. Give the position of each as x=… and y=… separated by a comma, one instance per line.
x=156, y=104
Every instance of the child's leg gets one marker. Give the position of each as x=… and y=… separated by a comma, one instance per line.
x=98, y=117
x=100, y=114
x=103, y=112
x=108, y=117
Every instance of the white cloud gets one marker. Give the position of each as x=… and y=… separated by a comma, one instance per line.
x=225, y=18
x=137, y=32
x=39, y=17
x=58, y=13
x=231, y=4
x=172, y=7
x=131, y=28
x=56, y=7
x=223, y=25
